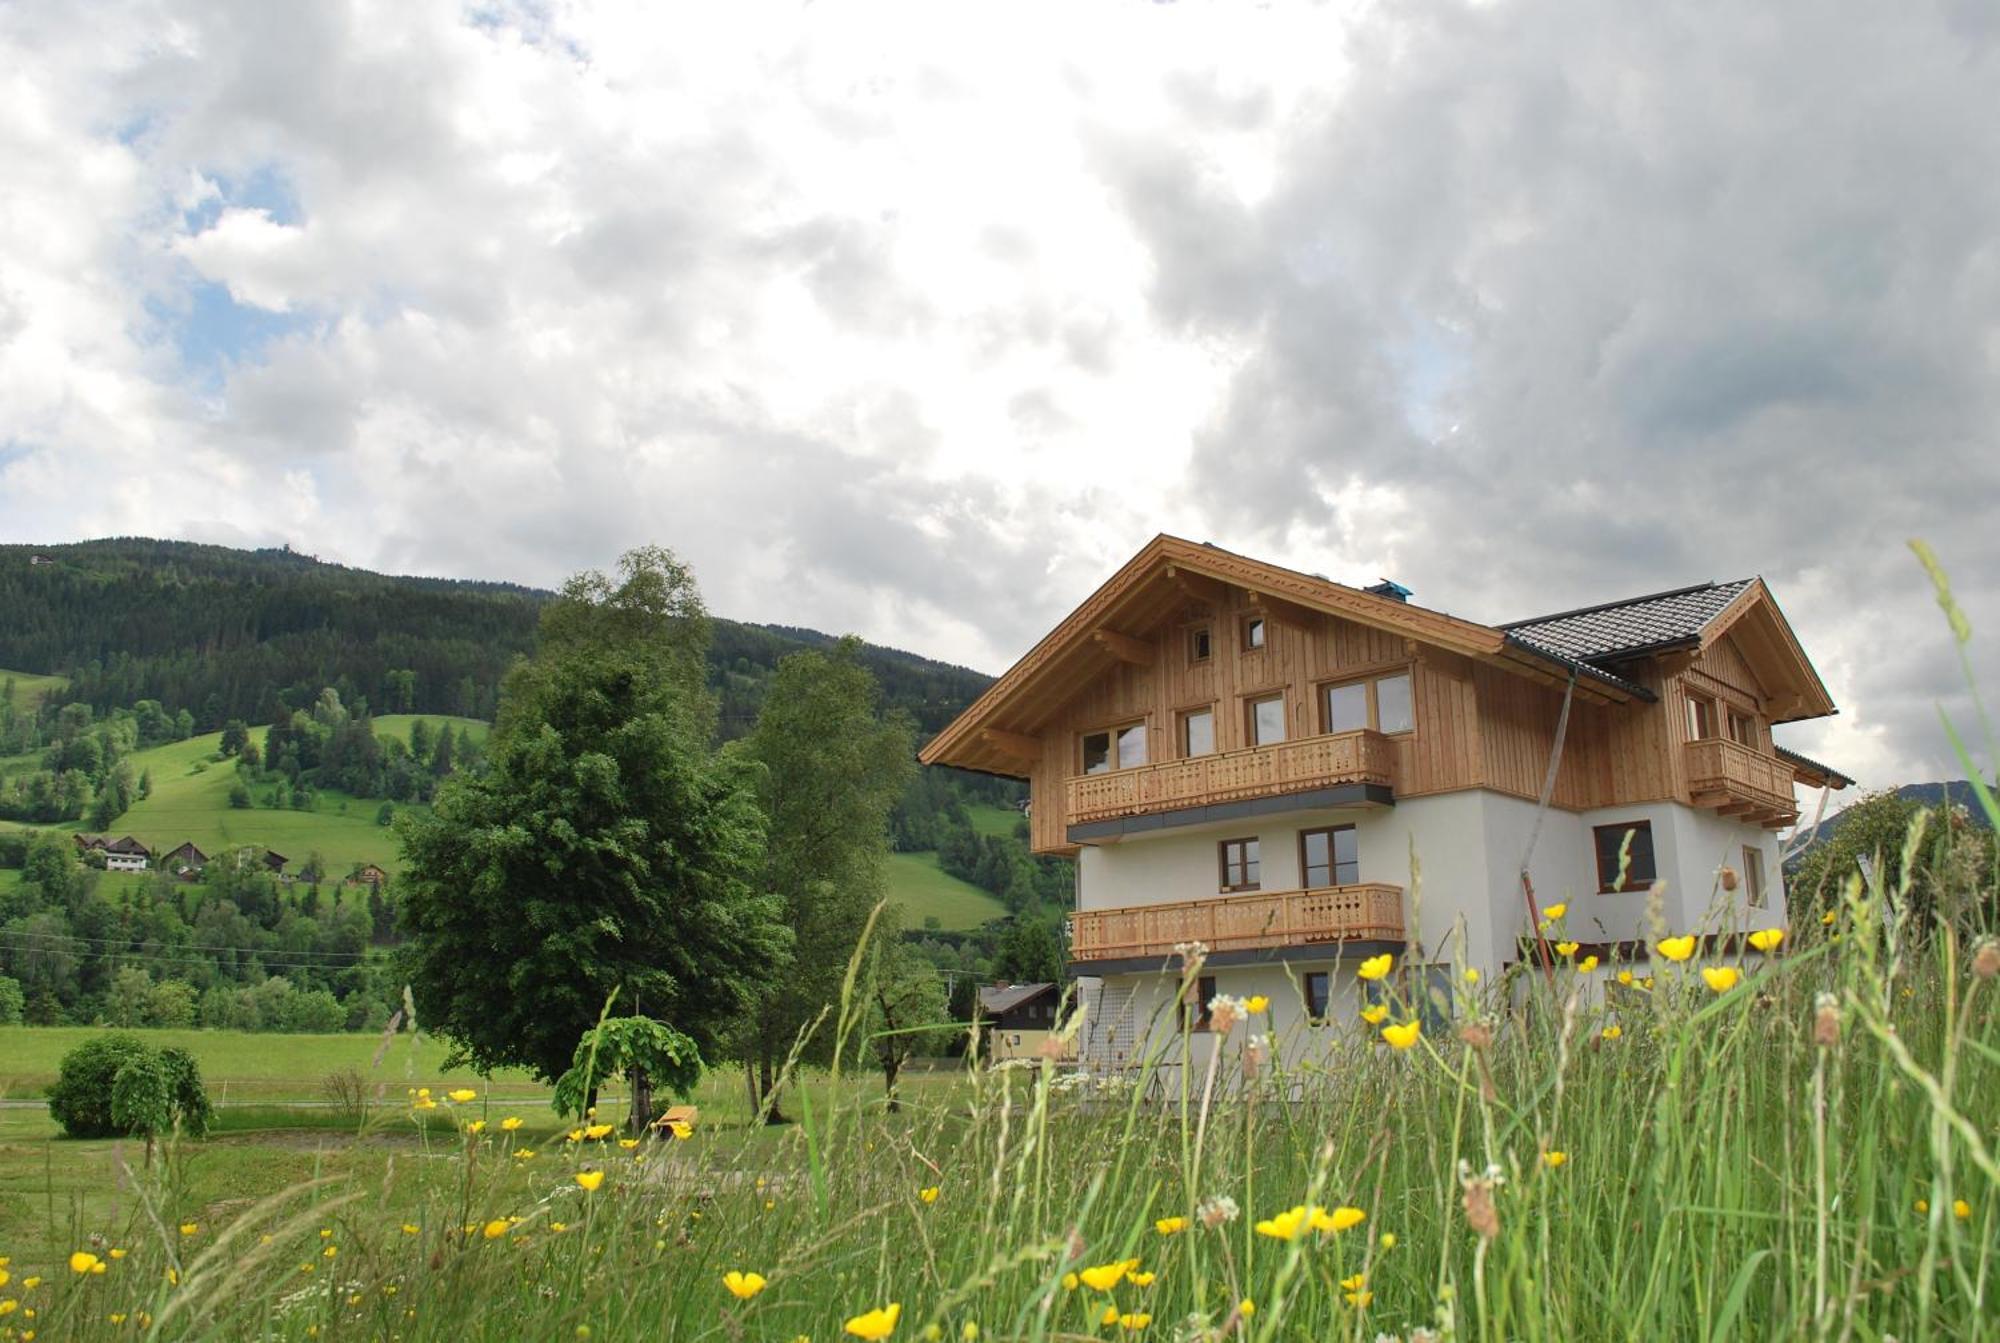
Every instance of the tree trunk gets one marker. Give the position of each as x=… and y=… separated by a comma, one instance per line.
x=891, y=1066
x=770, y=1089
x=750, y=1085
x=642, y=1102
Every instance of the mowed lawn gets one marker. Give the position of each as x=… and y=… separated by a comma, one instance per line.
x=190, y=800
x=925, y=890
x=996, y=822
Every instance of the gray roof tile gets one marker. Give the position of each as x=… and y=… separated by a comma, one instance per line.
x=1615, y=630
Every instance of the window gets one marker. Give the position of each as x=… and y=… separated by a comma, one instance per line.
x=1329, y=857
x=1318, y=988
x=1742, y=728
x=1253, y=633
x=1197, y=732
x=1383, y=704
x=1267, y=720
x=1198, y=644
x=1238, y=859
x=1130, y=742
x=1638, y=856
x=1701, y=717
x=1196, y=1006
x=1753, y=876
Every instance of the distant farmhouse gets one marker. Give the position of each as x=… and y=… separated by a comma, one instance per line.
x=186, y=858
x=368, y=874
x=1018, y=1019
x=124, y=854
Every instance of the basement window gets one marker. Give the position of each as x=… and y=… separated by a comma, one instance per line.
x=1623, y=866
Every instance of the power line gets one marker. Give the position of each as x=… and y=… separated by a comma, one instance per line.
x=113, y=942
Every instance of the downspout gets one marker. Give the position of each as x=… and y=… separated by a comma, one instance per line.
x=1535, y=831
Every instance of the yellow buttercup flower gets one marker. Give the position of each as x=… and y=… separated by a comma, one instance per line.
x=1134, y=1320
x=1255, y=1003
x=424, y=1103
x=876, y=1324
x=1070, y=1282
x=476, y=1127
x=574, y=1135
x=1168, y=1226
x=1961, y=1210
x=1285, y=1225
x=463, y=1094
x=598, y=1131
x=628, y=1143
x=1625, y=978
x=411, y=1229
x=1110, y=1315
x=1403, y=1036
x=1141, y=1279
x=1376, y=967
x=1565, y=949
x=1340, y=1219
x=1472, y=974
x=741, y=1285
x=83, y=1261
x=1611, y=1032
x=1826, y=919
x=929, y=1195
x=1554, y=1159
x=524, y=1153
x=1360, y=1300
x=1720, y=978
x=510, y=1123
x=588, y=1180
x=497, y=1228
x=1923, y=1206
x=1246, y=1307
x=1676, y=948
x=1767, y=939
x=1354, y=1283
x=1555, y=911
x=1586, y=965
x=1103, y=1277
x=189, y=1228
x=114, y=1252
x=1388, y=1241
x=681, y=1130
x=1375, y=1015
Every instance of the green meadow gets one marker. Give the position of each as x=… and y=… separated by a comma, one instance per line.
x=925, y=890
x=29, y=688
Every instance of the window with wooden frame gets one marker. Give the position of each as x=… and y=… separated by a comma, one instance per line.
x=1316, y=986
x=1264, y=719
x=1624, y=856
x=1200, y=996
x=1114, y=748
x=1200, y=644
x=1381, y=703
x=1753, y=876
x=1742, y=728
x=1701, y=717
x=1238, y=864
x=1253, y=633
x=1329, y=857
x=1197, y=732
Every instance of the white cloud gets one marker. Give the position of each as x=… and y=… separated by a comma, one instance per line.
x=916, y=319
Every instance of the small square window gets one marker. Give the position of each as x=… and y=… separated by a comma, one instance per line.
x=1197, y=733
x=1624, y=865
x=1753, y=876
x=1318, y=989
x=1198, y=644
x=1253, y=633
x=1239, y=863
x=1267, y=720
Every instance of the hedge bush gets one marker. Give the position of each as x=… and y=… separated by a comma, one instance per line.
x=117, y=1085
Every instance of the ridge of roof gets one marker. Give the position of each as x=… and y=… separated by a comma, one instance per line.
x=1615, y=631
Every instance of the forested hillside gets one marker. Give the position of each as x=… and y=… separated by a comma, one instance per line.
x=224, y=634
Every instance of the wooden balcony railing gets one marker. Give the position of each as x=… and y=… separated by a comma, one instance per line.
x=1736, y=780
x=1369, y=911
x=1257, y=771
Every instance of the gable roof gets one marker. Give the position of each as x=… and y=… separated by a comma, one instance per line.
x=1810, y=772
x=999, y=999
x=1155, y=582
x=1628, y=628
x=1692, y=618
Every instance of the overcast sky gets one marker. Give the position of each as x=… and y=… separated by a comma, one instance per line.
x=916, y=321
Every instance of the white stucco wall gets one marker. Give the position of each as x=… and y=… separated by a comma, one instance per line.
x=1467, y=846
x=1137, y=1016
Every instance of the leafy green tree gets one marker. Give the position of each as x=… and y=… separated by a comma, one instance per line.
x=833, y=768
x=908, y=1012
x=441, y=753
x=130, y=1000
x=145, y=783
x=651, y=1053
x=421, y=743
x=239, y=795
x=604, y=847
x=13, y=1002
x=1952, y=864
x=385, y=814
x=163, y=1089
x=1031, y=952
x=172, y=1004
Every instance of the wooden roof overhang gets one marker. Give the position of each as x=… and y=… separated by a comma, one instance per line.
x=999, y=733
x=1766, y=640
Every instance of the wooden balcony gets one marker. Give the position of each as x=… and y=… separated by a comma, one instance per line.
x=1366, y=912
x=1232, y=776
x=1732, y=779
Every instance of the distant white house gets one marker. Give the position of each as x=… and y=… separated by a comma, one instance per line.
x=124, y=862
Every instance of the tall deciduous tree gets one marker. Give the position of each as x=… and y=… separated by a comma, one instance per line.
x=908, y=1012
x=833, y=767
x=603, y=847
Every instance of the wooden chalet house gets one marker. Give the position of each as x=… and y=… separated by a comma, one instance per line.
x=1262, y=760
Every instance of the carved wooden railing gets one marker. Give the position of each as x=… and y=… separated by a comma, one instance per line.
x=1735, y=779
x=1257, y=771
x=1368, y=911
